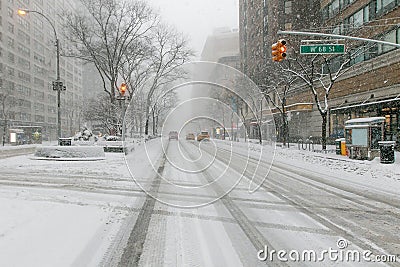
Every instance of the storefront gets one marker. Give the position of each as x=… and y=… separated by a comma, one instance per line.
x=387, y=108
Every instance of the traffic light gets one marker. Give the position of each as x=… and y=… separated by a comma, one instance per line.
x=122, y=88
x=279, y=50
x=58, y=85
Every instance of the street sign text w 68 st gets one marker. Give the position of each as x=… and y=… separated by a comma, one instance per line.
x=322, y=49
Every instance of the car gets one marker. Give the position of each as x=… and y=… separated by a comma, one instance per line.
x=190, y=136
x=204, y=135
x=173, y=135
x=112, y=138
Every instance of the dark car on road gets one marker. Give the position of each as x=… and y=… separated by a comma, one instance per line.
x=173, y=135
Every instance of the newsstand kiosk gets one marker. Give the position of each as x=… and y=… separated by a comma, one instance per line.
x=363, y=136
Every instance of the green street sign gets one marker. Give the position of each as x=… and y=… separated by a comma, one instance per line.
x=322, y=49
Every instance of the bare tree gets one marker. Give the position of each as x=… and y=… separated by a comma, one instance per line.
x=170, y=52
x=319, y=76
x=7, y=103
x=161, y=106
x=102, y=112
x=106, y=32
x=280, y=86
x=244, y=111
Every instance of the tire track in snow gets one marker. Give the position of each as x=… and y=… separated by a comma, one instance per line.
x=137, y=237
x=307, y=207
x=249, y=229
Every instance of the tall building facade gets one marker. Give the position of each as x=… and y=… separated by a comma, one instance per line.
x=28, y=67
x=260, y=21
x=370, y=88
x=223, y=47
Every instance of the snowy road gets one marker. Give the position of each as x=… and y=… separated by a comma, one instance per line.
x=197, y=211
x=294, y=210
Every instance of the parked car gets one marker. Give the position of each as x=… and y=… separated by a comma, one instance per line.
x=190, y=136
x=173, y=135
x=112, y=138
x=204, y=135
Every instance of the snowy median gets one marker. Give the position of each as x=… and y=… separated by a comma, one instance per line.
x=70, y=153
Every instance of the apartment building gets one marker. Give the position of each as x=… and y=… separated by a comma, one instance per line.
x=369, y=88
x=372, y=87
x=28, y=67
x=260, y=21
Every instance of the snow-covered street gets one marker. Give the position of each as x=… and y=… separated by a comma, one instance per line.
x=198, y=211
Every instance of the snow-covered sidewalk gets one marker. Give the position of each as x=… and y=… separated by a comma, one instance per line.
x=373, y=174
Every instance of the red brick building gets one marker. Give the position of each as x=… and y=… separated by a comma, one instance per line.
x=370, y=88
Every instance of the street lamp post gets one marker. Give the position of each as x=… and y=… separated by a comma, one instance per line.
x=57, y=85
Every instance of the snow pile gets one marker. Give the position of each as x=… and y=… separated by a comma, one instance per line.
x=70, y=152
x=373, y=169
x=82, y=143
x=330, y=161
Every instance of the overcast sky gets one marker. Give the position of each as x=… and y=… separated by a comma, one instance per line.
x=198, y=18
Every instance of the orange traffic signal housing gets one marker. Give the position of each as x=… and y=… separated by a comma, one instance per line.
x=122, y=88
x=279, y=50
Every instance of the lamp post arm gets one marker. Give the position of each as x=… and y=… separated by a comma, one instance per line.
x=44, y=16
x=57, y=44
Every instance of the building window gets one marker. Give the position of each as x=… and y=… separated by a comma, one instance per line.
x=24, y=37
x=288, y=7
x=10, y=12
x=389, y=37
x=11, y=58
x=366, y=14
x=39, y=118
x=23, y=50
x=10, y=42
x=382, y=5
x=335, y=7
x=11, y=28
x=24, y=63
x=357, y=19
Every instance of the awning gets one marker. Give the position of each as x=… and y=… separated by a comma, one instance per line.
x=295, y=107
x=366, y=104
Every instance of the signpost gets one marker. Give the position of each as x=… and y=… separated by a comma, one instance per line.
x=322, y=49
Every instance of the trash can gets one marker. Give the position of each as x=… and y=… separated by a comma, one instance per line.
x=387, y=151
x=338, y=146
x=343, y=149
x=64, y=141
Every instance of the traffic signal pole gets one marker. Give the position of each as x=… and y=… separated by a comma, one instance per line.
x=59, y=88
x=338, y=36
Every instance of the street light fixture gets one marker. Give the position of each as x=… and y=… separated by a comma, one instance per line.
x=57, y=84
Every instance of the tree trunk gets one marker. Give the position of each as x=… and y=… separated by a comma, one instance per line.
x=147, y=114
x=284, y=122
x=157, y=124
x=154, y=122
x=323, y=139
x=284, y=129
x=146, y=127
x=4, y=132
